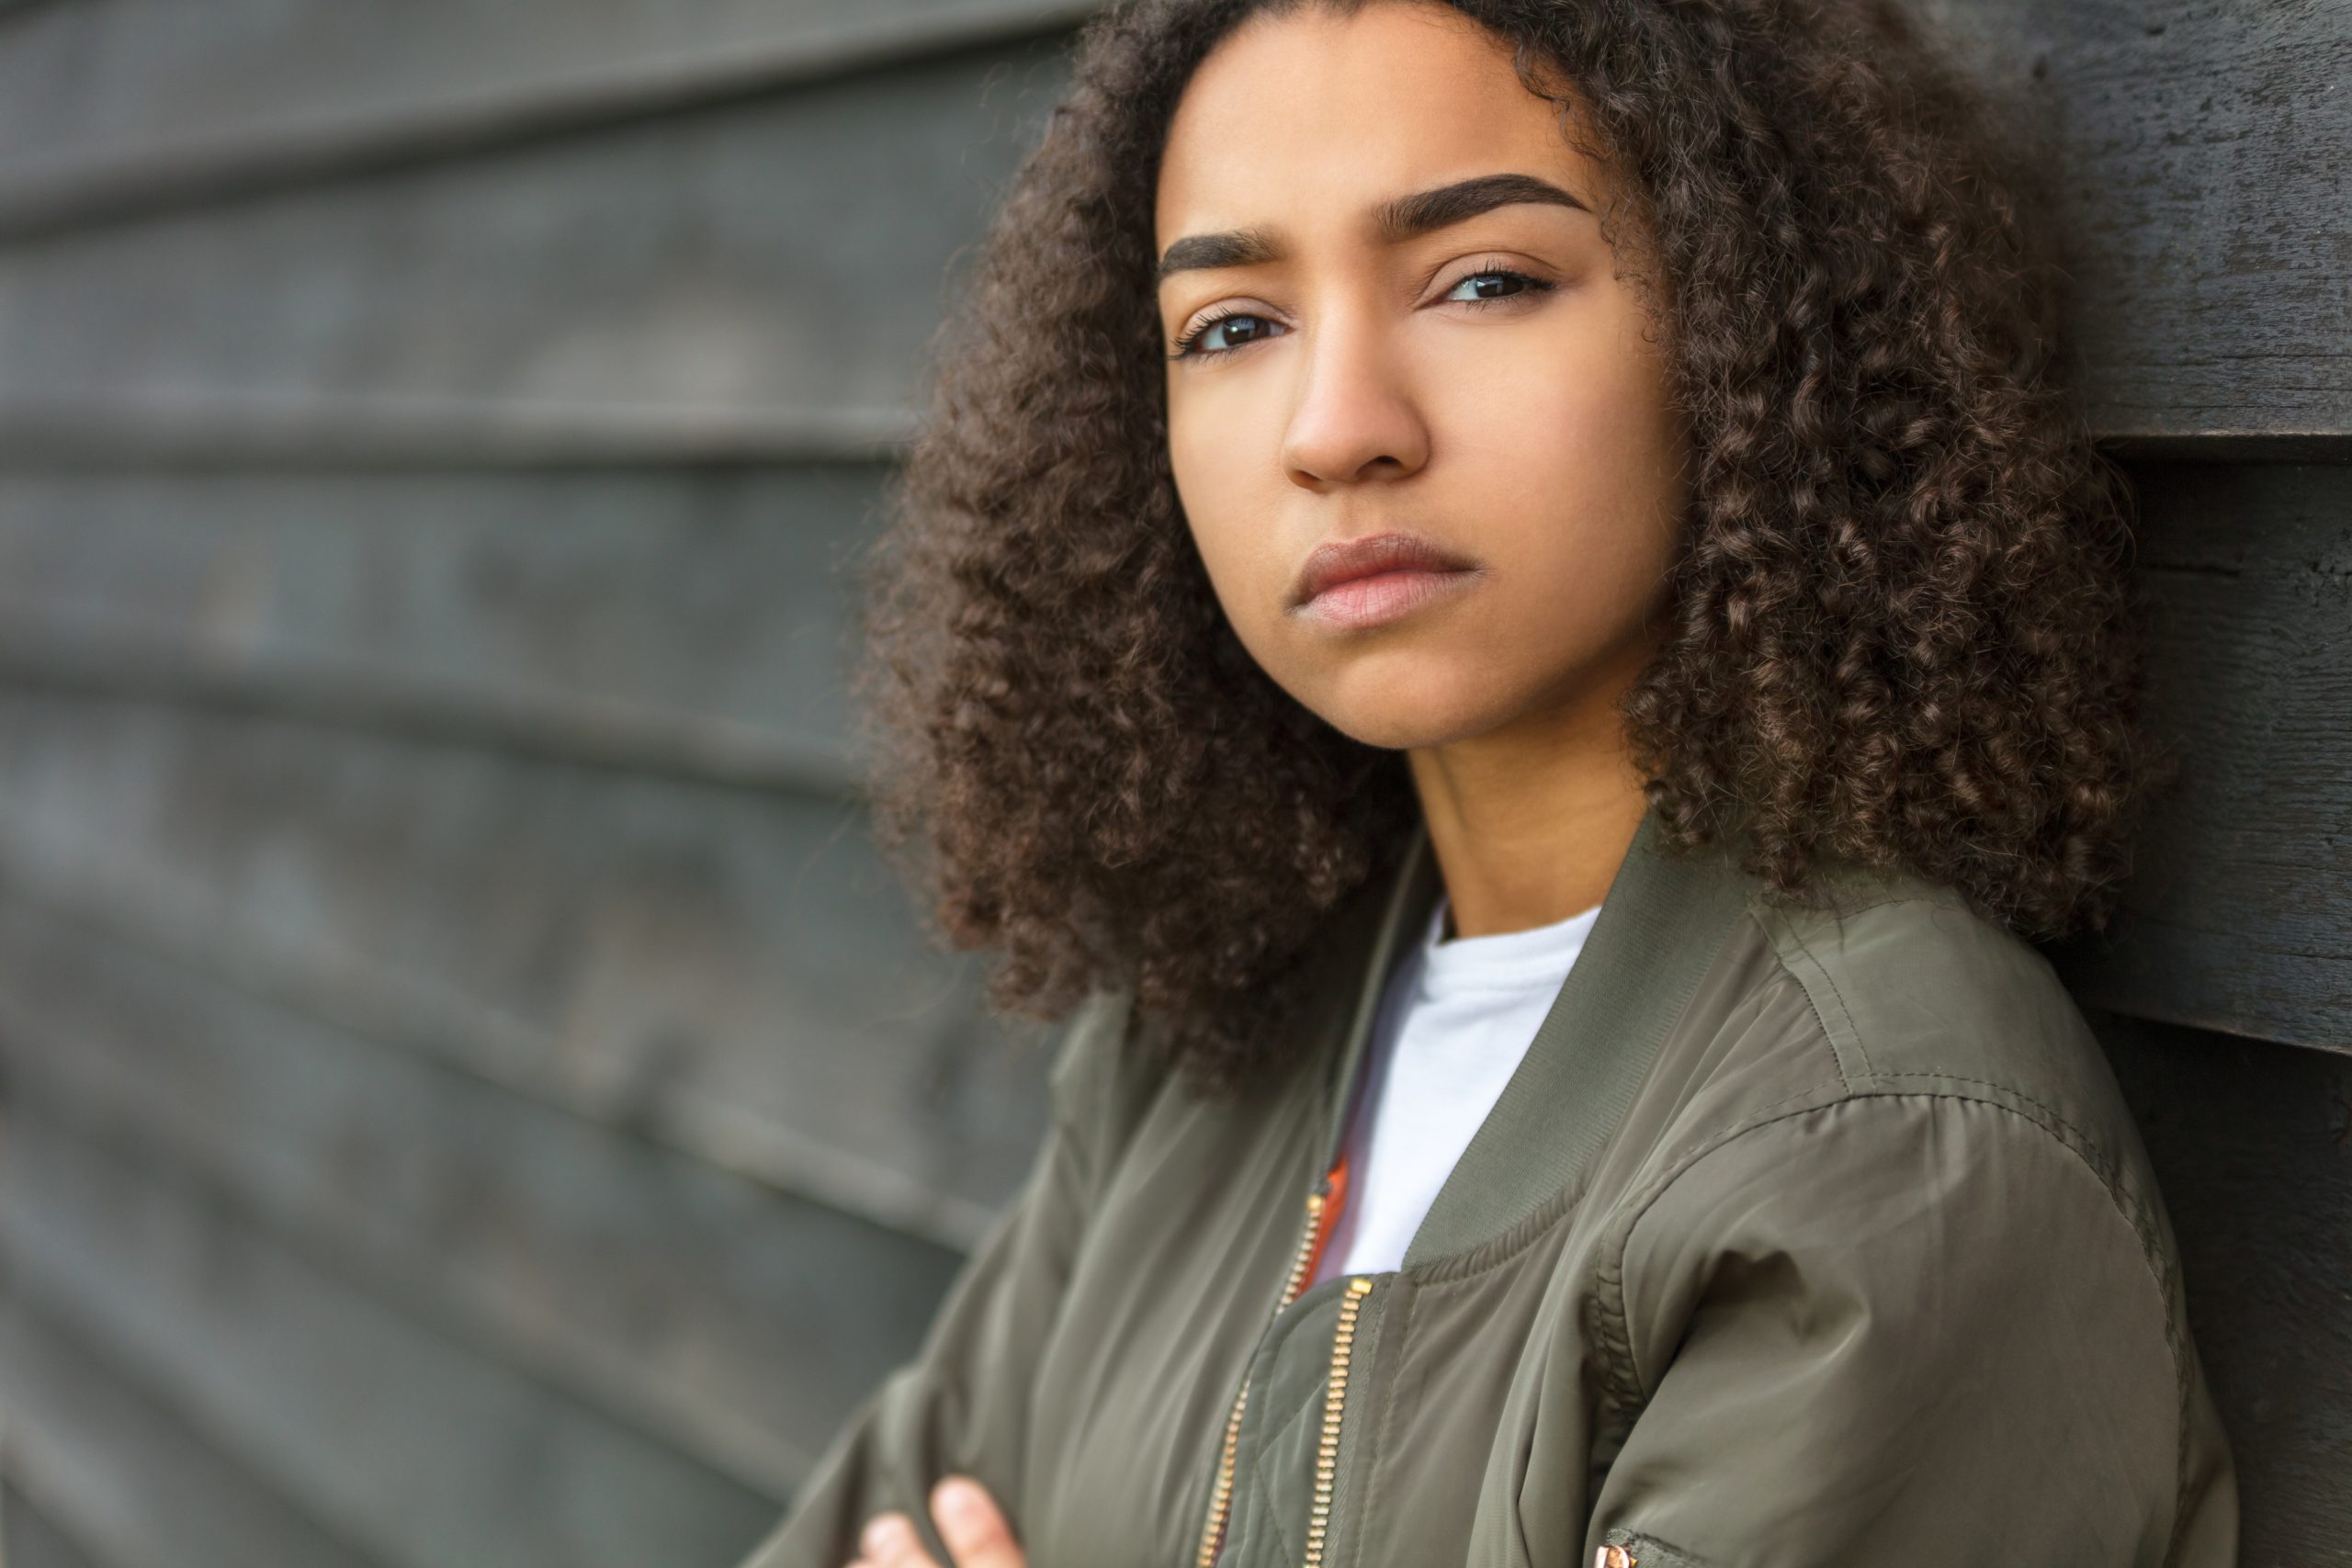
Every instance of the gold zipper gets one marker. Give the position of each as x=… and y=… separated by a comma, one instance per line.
x=1326, y=1450
x=1221, y=1494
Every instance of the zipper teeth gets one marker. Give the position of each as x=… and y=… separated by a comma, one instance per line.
x=1326, y=1450
x=1221, y=1494
x=1297, y=1280
x=1221, y=1498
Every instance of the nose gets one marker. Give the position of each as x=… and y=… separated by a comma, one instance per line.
x=1356, y=418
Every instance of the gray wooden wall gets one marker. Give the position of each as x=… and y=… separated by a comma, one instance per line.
x=470, y=1094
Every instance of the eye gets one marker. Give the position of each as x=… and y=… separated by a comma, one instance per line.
x=1529, y=285
x=1184, y=346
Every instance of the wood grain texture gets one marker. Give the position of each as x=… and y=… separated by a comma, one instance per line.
x=112, y=106
x=720, y=1317
x=2197, y=152
x=440, y=975
x=735, y=975
x=592, y=616
x=120, y=1477
x=2212, y=300
x=2239, y=917
x=778, y=255
x=699, y=622
x=184, y=432
x=390, y=1435
x=2253, y=1148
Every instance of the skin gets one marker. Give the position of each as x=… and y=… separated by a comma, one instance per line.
x=1365, y=387
x=977, y=1534
x=1357, y=386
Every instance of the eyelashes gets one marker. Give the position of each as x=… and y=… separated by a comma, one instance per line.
x=1185, y=349
x=1186, y=346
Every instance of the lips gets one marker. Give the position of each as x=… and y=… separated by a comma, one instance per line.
x=1342, y=561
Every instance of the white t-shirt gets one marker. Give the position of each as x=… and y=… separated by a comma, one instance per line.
x=1454, y=1020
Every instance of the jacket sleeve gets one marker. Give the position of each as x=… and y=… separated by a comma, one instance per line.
x=1908, y=1328
x=961, y=1404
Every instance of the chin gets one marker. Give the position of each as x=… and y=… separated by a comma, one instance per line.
x=1400, y=713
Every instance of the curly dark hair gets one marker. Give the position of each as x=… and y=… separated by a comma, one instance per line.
x=1902, y=629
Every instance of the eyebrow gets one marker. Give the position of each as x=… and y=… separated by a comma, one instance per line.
x=1395, y=222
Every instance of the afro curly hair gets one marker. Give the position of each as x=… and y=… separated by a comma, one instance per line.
x=1903, y=629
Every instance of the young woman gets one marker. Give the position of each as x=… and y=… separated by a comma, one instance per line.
x=1497, y=597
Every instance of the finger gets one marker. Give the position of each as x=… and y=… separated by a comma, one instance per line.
x=890, y=1541
x=972, y=1526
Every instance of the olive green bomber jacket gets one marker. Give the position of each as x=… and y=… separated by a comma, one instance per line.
x=1799, y=1236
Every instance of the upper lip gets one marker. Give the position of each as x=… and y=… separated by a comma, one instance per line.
x=1337, y=560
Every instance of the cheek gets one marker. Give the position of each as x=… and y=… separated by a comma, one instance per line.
x=1577, y=465
x=1215, y=465
x=1554, y=460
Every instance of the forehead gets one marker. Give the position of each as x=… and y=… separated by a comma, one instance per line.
x=1311, y=117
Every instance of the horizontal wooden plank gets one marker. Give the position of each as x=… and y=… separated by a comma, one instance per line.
x=774, y=259
x=335, y=432
x=124, y=1478
x=730, y=1321
x=387, y=1433
x=109, y=106
x=595, y=280
x=734, y=973
x=2196, y=149
x=702, y=623
x=2253, y=1150
x=300, y=592
x=584, y=730
x=2239, y=916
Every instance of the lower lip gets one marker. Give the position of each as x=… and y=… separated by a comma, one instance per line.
x=1383, y=597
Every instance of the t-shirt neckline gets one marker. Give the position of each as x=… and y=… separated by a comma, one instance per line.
x=1502, y=959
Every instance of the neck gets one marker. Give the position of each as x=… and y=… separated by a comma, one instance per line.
x=1529, y=822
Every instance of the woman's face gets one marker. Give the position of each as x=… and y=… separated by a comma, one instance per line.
x=1458, y=369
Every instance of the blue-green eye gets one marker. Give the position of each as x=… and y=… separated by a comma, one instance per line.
x=1184, y=346
x=1530, y=286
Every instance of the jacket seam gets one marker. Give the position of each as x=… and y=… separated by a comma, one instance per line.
x=1266, y=1439
x=1084, y=1112
x=1265, y=1509
x=2150, y=1254
x=1508, y=1243
x=1843, y=1031
x=1840, y=912
x=1621, y=1377
x=1270, y=1435
x=1270, y=1343
x=2142, y=1225
x=1617, y=1321
x=1381, y=1433
x=1504, y=1245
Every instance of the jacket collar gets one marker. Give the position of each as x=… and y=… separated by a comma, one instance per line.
x=1664, y=918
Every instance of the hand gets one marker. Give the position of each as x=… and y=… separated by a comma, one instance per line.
x=969, y=1521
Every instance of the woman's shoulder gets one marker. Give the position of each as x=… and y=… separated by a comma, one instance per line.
x=1881, y=1036
x=1909, y=993
x=1903, y=1175
x=1105, y=1076
x=1895, y=1011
